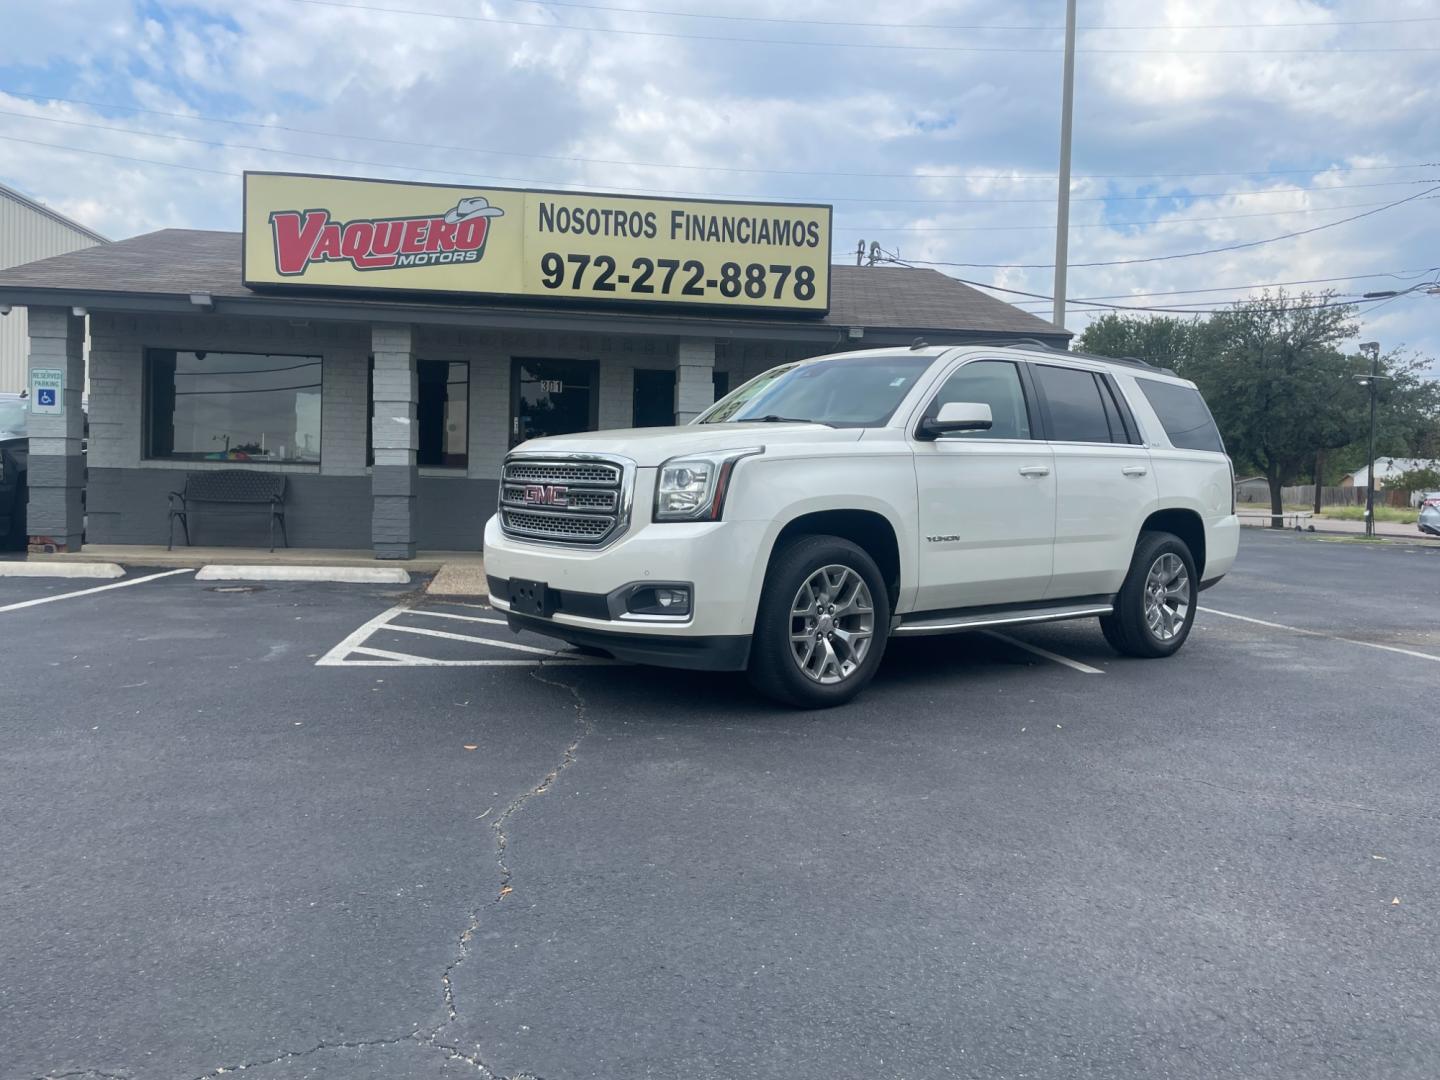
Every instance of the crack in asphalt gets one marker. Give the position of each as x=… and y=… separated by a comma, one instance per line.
x=583, y=727
x=293, y=1054
x=432, y=1040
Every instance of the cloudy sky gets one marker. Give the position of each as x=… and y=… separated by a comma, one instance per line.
x=932, y=127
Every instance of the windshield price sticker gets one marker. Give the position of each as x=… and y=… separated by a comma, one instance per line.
x=339, y=232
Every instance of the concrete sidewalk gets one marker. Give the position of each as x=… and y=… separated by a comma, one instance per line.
x=1385, y=530
x=456, y=573
x=425, y=562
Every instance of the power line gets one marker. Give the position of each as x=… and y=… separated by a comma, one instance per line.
x=1155, y=310
x=1186, y=254
x=1111, y=224
x=869, y=45
x=993, y=177
x=741, y=196
x=973, y=26
x=122, y=157
x=234, y=173
x=1267, y=284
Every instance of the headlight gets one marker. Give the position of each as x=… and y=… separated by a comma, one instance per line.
x=694, y=488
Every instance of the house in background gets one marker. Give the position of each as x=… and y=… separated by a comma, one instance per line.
x=30, y=230
x=1252, y=489
x=1386, y=468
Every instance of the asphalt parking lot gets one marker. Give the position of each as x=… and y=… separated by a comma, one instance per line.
x=341, y=831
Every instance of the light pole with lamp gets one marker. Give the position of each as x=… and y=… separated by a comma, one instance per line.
x=1372, y=349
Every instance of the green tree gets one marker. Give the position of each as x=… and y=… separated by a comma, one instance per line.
x=1279, y=384
x=1159, y=340
x=1286, y=394
x=1423, y=479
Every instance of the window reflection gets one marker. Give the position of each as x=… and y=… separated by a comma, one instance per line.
x=222, y=406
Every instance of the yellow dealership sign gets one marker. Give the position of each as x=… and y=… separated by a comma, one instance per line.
x=340, y=233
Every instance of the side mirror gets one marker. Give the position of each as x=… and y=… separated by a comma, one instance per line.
x=957, y=416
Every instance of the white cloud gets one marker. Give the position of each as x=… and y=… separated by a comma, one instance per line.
x=537, y=99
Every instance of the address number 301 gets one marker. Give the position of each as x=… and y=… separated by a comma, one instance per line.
x=672, y=277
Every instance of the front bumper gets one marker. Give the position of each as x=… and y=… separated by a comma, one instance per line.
x=695, y=653
x=722, y=561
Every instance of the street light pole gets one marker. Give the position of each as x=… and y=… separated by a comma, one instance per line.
x=1062, y=208
x=1373, y=382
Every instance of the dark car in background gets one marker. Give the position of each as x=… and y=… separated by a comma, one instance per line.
x=14, y=465
x=1430, y=513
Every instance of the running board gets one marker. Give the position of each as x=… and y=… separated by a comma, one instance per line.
x=954, y=621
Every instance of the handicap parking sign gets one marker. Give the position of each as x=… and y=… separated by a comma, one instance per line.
x=46, y=385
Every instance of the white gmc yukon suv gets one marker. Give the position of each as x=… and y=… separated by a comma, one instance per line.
x=831, y=504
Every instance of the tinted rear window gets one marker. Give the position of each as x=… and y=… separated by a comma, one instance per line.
x=1077, y=412
x=1184, y=414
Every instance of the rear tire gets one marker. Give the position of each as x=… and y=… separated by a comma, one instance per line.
x=822, y=625
x=1155, y=608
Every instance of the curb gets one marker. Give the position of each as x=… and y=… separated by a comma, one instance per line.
x=345, y=575
x=106, y=570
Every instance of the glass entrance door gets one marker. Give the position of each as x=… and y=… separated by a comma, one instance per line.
x=654, y=398
x=552, y=397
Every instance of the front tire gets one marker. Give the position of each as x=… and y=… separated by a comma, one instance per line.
x=1155, y=608
x=822, y=625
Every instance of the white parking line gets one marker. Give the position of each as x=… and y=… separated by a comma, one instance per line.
x=356, y=637
x=1322, y=634
x=451, y=615
x=355, y=645
x=386, y=658
x=469, y=637
x=97, y=588
x=1046, y=653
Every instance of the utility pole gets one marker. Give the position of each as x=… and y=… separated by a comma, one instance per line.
x=1062, y=208
x=1373, y=382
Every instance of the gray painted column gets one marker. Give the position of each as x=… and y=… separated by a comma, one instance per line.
x=56, y=519
x=694, y=378
x=394, y=480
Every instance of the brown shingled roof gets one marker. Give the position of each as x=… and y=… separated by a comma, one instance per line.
x=178, y=262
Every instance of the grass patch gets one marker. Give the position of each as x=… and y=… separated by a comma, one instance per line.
x=1394, y=514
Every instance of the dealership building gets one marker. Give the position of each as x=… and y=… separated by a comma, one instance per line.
x=383, y=345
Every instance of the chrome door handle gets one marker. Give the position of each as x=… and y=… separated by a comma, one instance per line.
x=1035, y=470
x=1134, y=470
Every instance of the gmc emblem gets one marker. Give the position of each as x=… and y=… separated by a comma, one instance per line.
x=545, y=495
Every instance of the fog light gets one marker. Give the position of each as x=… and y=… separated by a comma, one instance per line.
x=659, y=600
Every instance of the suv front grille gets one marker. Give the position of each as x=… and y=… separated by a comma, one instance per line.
x=565, y=500
x=550, y=471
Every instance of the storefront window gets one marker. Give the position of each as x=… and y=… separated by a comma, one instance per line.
x=552, y=397
x=223, y=406
x=442, y=412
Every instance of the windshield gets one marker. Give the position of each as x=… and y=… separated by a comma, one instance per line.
x=858, y=391
x=13, y=416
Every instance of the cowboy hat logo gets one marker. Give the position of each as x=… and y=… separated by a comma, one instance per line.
x=474, y=207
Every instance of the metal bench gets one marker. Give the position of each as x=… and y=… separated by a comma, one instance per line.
x=239, y=490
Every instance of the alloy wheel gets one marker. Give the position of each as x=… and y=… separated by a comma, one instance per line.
x=1167, y=596
x=832, y=624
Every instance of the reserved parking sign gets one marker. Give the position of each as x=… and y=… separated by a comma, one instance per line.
x=47, y=386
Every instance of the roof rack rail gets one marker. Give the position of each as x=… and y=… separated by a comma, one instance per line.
x=1128, y=361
